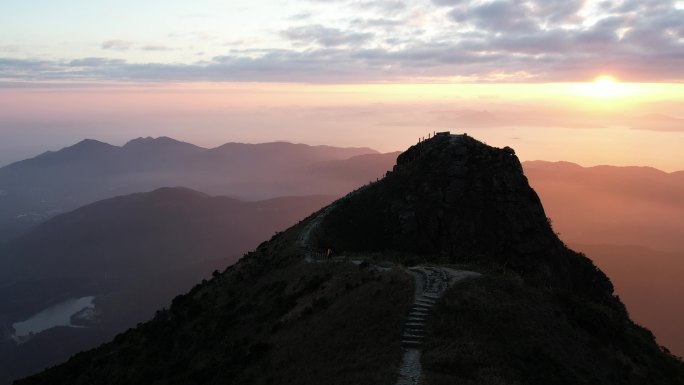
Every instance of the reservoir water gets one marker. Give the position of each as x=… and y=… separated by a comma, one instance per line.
x=56, y=315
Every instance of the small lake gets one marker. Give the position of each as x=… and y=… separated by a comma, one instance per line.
x=56, y=315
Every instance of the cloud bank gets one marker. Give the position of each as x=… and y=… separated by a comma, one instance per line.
x=416, y=40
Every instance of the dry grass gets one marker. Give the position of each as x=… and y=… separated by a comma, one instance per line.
x=304, y=324
x=497, y=330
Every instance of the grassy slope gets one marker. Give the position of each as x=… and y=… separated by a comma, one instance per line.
x=256, y=324
x=497, y=330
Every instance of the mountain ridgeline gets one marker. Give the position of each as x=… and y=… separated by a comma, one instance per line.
x=36, y=189
x=539, y=313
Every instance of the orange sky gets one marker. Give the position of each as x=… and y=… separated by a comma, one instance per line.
x=348, y=72
x=587, y=123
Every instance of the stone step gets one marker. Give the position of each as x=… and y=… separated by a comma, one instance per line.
x=431, y=296
x=424, y=308
x=415, y=324
x=425, y=300
x=417, y=314
x=411, y=344
x=414, y=332
x=416, y=318
x=421, y=307
x=412, y=337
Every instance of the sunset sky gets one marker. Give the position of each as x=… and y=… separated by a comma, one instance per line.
x=349, y=72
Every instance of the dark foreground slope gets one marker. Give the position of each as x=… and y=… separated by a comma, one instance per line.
x=540, y=314
x=133, y=254
x=265, y=320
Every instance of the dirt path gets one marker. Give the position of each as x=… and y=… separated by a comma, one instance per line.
x=305, y=237
x=431, y=283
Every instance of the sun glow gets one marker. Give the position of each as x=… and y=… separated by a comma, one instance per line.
x=606, y=91
x=606, y=86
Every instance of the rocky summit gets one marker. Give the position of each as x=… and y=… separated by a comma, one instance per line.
x=453, y=199
x=445, y=271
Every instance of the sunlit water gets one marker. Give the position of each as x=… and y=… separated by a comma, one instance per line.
x=56, y=315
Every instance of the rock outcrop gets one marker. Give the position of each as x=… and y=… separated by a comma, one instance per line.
x=454, y=199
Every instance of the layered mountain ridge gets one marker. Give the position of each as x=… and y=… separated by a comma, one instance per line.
x=538, y=313
x=39, y=188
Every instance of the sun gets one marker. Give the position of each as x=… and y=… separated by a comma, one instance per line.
x=607, y=91
x=606, y=86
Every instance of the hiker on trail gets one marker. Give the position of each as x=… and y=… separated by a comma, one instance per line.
x=328, y=254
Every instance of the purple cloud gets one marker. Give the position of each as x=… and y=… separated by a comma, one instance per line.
x=324, y=36
x=513, y=40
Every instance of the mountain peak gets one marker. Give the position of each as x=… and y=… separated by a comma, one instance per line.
x=86, y=147
x=453, y=186
x=177, y=193
x=91, y=142
x=454, y=199
x=159, y=142
x=88, y=144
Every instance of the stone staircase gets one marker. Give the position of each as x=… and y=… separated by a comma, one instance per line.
x=436, y=282
x=431, y=284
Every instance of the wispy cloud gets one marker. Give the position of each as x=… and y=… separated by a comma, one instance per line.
x=326, y=37
x=121, y=45
x=124, y=45
x=155, y=47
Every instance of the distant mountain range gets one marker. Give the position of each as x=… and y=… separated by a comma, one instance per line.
x=590, y=205
x=133, y=253
x=612, y=205
x=35, y=189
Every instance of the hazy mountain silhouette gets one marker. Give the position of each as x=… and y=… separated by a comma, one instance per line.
x=612, y=205
x=38, y=188
x=367, y=167
x=539, y=313
x=133, y=253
